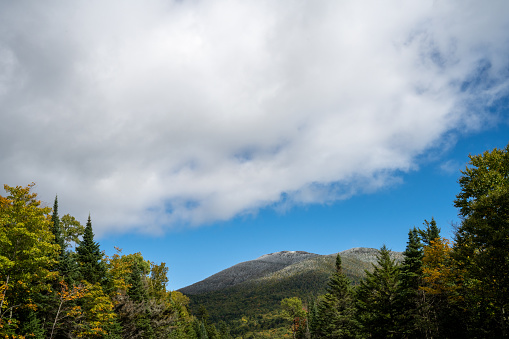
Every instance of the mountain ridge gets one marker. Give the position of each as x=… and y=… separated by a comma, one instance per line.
x=284, y=264
x=247, y=270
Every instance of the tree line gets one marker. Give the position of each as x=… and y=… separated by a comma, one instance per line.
x=55, y=282
x=442, y=288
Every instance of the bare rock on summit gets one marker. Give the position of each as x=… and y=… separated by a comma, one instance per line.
x=248, y=270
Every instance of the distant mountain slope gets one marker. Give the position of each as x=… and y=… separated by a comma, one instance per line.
x=249, y=270
x=255, y=288
x=286, y=264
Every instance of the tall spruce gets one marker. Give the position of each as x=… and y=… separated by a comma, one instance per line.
x=411, y=274
x=336, y=310
x=66, y=265
x=378, y=299
x=55, y=228
x=89, y=257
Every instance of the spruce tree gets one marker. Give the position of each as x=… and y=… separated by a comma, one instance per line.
x=137, y=292
x=91, y=267
x=379, y=301
x=430, y=233
x=32, y=327
x=335, y=316
x=55, y=228
x=411, y=274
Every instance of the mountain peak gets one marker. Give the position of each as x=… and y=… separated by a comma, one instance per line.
x=248, y=270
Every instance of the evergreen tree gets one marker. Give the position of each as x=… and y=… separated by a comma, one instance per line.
x=379, y=301
x=89, y=257
x=32, y=327
x=202, y=332
x=55, y=229
x=137, y=291
x=224, y=330
x=66, y=262
x=430, y=233
x=411, y=273
x=335, y=316
x=314, y=320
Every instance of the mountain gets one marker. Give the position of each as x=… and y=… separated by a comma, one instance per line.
x=286, y=264
x=249, y=270
x=248, y=295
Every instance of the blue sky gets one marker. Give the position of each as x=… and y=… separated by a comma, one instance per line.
x=205, y=133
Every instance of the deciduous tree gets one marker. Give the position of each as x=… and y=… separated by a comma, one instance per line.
x=482, y=240
x=294, y=312
x=27, y=252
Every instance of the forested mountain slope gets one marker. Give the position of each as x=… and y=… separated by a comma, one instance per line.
x=249, y=270
x=271, y=278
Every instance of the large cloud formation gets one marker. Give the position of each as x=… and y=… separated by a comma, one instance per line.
x=151, y=114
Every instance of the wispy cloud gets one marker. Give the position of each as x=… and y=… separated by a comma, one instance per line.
x=161, y=113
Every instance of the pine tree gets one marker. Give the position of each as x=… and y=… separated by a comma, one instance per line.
x=379, y=301
x=91, y=267
x=335, y=316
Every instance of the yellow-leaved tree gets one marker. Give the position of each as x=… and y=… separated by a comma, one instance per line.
x=26, y=254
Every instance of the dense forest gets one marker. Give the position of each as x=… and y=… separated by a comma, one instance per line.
x=55, y=282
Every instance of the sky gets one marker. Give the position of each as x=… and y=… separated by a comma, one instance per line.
x=206, y=133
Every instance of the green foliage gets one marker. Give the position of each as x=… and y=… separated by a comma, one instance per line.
x=411, y=279
x=430, y=233
x=379, y=301
x=335, y=315
x=44, y=294
x=55, y=229
x=138, y=289
x=33, y=327
x=158, y=280
x=482, y=241
x=488, y=174
x=293, y=312
x=89, y=257
x=71, y=229
x=27, y=253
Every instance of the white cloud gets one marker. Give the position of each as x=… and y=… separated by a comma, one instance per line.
x=161, y=113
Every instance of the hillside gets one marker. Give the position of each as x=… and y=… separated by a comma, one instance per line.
x=249, y=270
x=254, y=289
